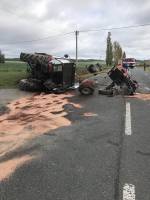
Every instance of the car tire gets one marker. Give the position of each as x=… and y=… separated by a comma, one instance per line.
x=86, y=91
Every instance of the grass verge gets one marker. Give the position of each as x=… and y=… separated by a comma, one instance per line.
x=11, y=73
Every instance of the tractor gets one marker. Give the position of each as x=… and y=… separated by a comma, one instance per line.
x=47, y=73
x=53, y=74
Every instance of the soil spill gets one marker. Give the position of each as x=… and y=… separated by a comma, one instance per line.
x=32, y=116
x=89, y=114
x=8, y=167
x=141, y=96
x=28, y=118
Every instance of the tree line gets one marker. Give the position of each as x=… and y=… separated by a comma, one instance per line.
x=114, y=51
x=2, y=57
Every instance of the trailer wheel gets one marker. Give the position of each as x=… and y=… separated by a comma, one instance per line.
x=86, y=91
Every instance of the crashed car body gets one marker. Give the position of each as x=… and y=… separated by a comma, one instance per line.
x=121, y=77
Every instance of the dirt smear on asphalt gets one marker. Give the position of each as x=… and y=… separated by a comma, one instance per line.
x=90, y=114
x=28, y=118
x=8, y=167
x=141, y=96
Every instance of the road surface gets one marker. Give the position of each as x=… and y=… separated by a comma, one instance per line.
x=102, y=156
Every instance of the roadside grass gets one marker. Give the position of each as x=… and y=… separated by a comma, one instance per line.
x=148, y=69
x=13, y=71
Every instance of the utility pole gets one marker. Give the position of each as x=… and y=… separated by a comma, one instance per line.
x=76, y=34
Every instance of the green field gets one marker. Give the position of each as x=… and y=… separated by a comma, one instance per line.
x=12, y=71
x=81, y=68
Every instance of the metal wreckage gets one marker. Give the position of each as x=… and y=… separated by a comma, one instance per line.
x=57, y=75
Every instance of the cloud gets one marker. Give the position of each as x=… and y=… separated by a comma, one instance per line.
x=34, y=19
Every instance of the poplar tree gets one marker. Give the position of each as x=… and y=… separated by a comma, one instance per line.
x=109, y=50
x=117, y=52
x=124, y=55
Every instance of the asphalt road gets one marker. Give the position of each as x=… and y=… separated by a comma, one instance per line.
x=93, y=159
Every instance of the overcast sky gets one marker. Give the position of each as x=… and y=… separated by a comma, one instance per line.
x=27, y=20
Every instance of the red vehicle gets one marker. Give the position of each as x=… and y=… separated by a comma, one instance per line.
x=129, y=62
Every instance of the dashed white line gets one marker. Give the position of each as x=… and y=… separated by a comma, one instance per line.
x=128, y=192
x=128, y=189
x=128, y=130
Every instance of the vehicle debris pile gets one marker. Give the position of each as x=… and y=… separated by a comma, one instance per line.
x=122, y=82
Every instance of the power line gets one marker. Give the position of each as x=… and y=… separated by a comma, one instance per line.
x=39, y=39
x=81, y=31
x=115, y=28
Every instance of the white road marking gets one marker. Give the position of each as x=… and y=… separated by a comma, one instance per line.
x=128, y=192
x=128, y=189
x=128, y=130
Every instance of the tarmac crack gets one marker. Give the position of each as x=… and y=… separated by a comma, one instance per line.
x=143, y=153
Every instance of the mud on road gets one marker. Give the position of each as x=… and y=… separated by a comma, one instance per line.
x=26, y=118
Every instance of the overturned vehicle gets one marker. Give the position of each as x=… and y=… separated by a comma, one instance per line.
x=122, y=83
x=47, y=73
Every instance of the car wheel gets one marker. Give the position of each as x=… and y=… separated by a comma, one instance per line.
x=86, y=91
